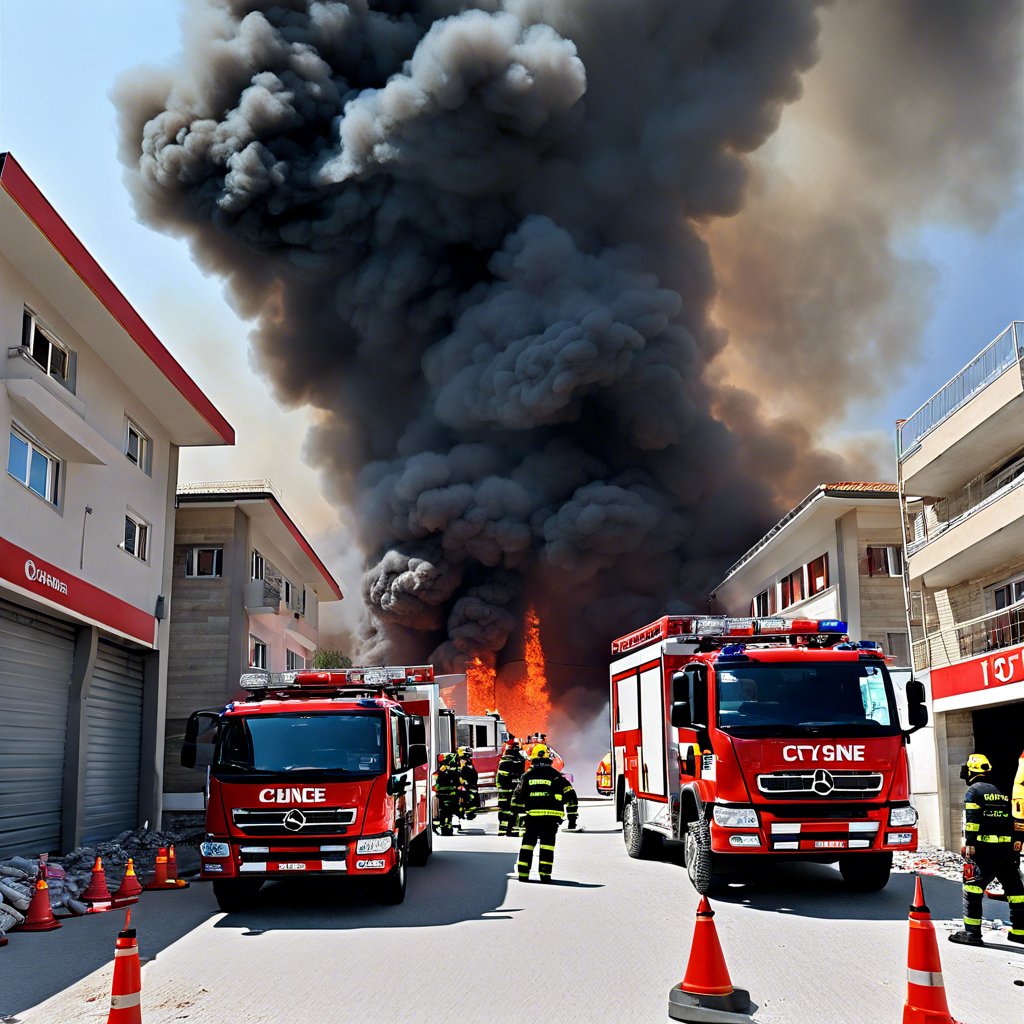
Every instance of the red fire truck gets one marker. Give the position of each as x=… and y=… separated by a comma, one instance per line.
x=318, y=773
x=487, y=736
x=755, y=737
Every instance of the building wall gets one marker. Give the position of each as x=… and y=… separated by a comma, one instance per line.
x=881, y=604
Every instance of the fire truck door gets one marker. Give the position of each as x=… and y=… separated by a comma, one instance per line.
x=627, y=722
x=652, y=730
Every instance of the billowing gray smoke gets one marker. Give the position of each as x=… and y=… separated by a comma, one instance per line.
x=472, y=235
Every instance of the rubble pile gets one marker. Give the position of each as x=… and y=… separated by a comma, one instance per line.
x=68, y=876
x=929, y=860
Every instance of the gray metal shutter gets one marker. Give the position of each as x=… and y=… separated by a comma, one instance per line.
x=36, y=657
x=114, y=711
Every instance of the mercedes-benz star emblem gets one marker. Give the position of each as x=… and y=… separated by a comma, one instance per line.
x=294, y=820
x=823, y=782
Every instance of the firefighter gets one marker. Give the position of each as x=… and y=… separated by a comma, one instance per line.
x=988, y=852
x=543, y=796
x=1017, y=797
x=446, y=789
x=510, y=771
x=469, y=779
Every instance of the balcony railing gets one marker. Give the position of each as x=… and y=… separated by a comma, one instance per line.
x=984, y=368
x=992, y=632
x=935, y=519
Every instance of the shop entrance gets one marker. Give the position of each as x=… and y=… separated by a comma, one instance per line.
x=999, y=734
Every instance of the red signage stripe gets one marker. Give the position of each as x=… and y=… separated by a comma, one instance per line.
x=35, y=575
x=1000, y=668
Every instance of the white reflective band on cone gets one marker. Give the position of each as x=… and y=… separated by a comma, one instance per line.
x=127, y=952
x=120, y=1002
x=931, y=979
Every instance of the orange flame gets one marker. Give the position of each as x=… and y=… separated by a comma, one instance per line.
x=480, y=684
x=523, y=698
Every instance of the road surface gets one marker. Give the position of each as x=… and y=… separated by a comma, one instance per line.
x=471, y=945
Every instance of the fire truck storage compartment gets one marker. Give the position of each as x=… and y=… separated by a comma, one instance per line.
x=652, y=731
x=36, y=657
x=999, y=735
x=115, y=743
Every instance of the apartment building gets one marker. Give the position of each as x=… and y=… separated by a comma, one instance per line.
x=247, y=592
x=93, y=412
x=961, y=479
x=839, y=555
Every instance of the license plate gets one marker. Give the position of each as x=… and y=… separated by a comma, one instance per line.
x=830, y=844
x=292, y=866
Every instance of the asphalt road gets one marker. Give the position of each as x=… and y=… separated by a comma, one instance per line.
x=472, y=945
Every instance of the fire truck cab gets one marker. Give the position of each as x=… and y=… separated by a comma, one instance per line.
x=317, y=773
x=486, y=735
x=761, y=737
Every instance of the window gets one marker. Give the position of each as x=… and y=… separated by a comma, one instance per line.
x=204, y=562
x=259, y=567
x=44, y=349
x=896, y=645
x=792, y=588
x=762, y=604
x=288, y=595
x=137, y=448
x=136, y=535
x=34, y=467
x=885, y=561
x=817, y=575
x=294, y=662
x=917, y=606
x=257, y=652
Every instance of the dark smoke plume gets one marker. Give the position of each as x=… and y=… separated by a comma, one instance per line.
x=474, y=236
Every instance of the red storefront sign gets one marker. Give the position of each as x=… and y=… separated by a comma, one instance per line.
x=1000, y=668
x=33, y=575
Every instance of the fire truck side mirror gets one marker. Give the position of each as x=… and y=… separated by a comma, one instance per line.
x=417, y=755
x=680, y=714
x=917, y=710
x=417, y=730
x=193, y=753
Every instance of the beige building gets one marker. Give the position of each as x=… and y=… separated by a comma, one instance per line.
x=839, y=555
x=247, y=591
x=93, y=412
x=961, y=475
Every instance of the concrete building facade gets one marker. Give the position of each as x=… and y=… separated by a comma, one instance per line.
x=839, y=555
x=248, y=587
x=961, y=479
x=93, y=411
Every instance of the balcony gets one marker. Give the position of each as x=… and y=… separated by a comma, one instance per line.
x=942, y=445
x=261, y=598
x=995, y=631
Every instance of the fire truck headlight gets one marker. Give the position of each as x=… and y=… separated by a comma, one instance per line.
x=215, y=849
x=735, y=817
x=905, y=815
x=375, y=844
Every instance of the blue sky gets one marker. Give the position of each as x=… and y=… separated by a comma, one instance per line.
x=58, y=61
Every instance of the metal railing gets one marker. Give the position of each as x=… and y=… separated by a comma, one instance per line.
x=935, y=519
x=231, y=487
x=984, y=368
x=992, y=632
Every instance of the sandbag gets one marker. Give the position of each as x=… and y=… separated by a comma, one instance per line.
x=16, y=894
x=9, y=871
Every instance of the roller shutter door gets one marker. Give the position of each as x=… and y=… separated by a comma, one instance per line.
x=36, y=657
x=114, y=712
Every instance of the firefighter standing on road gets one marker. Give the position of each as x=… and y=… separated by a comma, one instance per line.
x=989, y=852
x=446, y=789
x=543, y=796
x=510, y=771
x=469, y=781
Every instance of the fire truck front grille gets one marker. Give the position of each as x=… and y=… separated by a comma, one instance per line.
x=820, y=783
x=322, y=821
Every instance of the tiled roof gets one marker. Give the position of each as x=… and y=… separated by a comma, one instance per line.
x=859, y=485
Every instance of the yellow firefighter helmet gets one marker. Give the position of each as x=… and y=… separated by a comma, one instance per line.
x=977, y=764
x=540, y=752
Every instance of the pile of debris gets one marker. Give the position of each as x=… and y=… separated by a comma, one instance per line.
x=68, y=876
x=929, y=860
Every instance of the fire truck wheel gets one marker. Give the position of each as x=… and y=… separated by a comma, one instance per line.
x=866, y=872
x=421, y=848
x=393, y=883
x=640, y=842
x=235, y=893
x=697, y=852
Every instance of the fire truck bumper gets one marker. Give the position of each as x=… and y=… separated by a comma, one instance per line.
x=815, y=837
x=272, y=861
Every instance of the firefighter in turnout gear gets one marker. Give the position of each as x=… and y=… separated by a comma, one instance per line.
x=543, y=796
x=510, y=771
x=469, y=779
x=988, y=852
x=446, y=789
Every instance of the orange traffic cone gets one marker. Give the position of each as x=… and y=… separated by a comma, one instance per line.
x=129, y=889
x=97, y=895
x=161, y=880
x=39, y=916
x=706, y=992
x=926, y=994
x=172, y=869
x=126, y=991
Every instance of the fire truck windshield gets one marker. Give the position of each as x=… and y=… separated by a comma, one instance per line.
x=348, y=744
x=837, y=698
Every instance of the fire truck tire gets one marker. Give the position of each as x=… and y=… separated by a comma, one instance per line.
x=698, y=856
x=866, y=872
x=640, y=843
x=234, y=894
x=393, y=884
x=421, y=848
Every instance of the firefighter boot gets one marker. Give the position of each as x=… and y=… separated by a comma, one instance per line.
x=968, y=937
